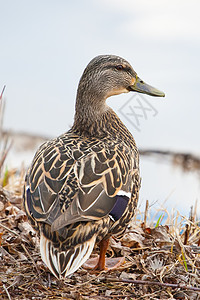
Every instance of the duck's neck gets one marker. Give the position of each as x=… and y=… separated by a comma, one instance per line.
x=90, y=108
x=96, y=119
x=91, y=119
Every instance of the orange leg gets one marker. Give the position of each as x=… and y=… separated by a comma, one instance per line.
x=102, y=257
x=103, y=263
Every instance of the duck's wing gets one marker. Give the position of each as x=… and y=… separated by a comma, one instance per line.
x=74, y=180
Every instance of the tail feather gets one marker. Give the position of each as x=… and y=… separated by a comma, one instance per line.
x=64, y=263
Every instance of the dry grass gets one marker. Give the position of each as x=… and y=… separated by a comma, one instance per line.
x=162, y=262
x=5, y=143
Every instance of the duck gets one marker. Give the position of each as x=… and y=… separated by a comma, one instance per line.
x=83, y=186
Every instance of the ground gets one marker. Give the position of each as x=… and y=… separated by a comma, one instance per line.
x=161, y=262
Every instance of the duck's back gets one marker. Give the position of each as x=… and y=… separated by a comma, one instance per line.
x=78, y=189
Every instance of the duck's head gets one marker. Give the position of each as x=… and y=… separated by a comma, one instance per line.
x=108, y=75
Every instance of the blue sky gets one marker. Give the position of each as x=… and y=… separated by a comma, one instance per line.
x=45, y=46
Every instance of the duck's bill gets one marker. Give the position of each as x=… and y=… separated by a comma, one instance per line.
x=141, y=87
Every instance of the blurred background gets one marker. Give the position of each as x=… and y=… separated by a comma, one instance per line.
x=45, y=45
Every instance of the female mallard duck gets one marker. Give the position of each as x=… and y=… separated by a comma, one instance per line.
x=82, y=187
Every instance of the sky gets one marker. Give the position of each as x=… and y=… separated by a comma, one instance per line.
x=45, y=46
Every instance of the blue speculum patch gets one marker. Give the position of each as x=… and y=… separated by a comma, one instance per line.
x=119, y=207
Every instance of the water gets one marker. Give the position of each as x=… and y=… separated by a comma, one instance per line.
x=168, y=186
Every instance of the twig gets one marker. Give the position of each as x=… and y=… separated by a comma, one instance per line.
x=146, y=212
x=4, y=252
x=149, y=296
x=13, y=284
x=23, y=246
x=2, y=92
x=186, y=235
x=188, y=227
x=49, y=281
x=109, y=297
x=146, y=282
x=90, y=280
x=8, y=229
x=4, y=287
x=4, y=155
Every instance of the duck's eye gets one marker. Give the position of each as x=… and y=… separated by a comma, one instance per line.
x=119, y=67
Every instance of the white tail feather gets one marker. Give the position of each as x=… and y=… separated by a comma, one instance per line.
x=64, y=263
